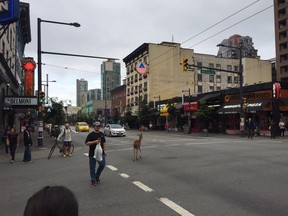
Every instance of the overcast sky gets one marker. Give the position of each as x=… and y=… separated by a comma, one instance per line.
x=114, y=28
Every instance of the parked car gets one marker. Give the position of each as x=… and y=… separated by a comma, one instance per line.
x=114, y=130
x=82, y=126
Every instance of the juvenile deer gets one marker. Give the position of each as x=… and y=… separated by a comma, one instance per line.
x=137, y=147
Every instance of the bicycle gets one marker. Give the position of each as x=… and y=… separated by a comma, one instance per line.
x=60, y=147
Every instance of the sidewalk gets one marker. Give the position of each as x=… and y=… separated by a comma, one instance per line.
x=37, y=152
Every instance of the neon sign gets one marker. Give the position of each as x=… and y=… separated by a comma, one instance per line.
x=9, y=11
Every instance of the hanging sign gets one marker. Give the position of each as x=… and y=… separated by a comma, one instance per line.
x=9, y=11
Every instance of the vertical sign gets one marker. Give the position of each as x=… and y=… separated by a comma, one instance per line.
x=29, y=66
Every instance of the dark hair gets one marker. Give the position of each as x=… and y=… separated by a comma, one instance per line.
x=52, y=201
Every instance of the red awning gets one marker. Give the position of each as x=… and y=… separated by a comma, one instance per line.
x=193, y=106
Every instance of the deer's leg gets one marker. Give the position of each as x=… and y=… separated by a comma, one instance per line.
x=139, y=151
x=134, y=154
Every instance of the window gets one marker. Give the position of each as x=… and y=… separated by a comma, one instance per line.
x=211, y=65
x=218, y=79
x=229, y=67
x=236, y=79
x=200, y=89
x=211, y=78
x=199, y=77
x=229, y=79
x=218, y=88
x=236, y=68
x=218, y=66
x=211, y=88
x=199, y=64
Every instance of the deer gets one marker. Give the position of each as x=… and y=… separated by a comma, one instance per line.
x=137, y=147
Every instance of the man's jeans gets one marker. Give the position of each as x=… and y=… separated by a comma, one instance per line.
x=92, y=165
x=27, y=154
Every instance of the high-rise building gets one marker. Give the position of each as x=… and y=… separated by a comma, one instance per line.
x=235, y=41
x=110, y=78
x=82, y=91
x=94, y=94
x=281, y=39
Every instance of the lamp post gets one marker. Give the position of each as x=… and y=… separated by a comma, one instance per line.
x=189, y=111
x=39, y=52
x=158, y=108
x=240, y=48
x=47, y=81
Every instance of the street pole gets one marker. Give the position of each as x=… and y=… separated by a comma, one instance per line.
x=105, y=90
x=242, y=118
x=39, y=57
x=240, y=73
x=40, y=121
x=189, y=111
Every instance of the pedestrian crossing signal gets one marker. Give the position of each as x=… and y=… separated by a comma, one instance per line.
x=184, y=65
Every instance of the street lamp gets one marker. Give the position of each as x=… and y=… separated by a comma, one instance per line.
x=39, y=52
x=47, y=81
x=240, y=48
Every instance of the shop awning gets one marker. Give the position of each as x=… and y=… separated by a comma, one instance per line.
x=209, y=96
x=252, y=106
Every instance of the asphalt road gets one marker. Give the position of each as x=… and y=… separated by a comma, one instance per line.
x=177, y=175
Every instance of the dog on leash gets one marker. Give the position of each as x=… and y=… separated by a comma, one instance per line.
x=137, y=147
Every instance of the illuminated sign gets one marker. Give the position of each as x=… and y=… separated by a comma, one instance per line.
x=9, y=11
x=142, y=68
x=29, y=66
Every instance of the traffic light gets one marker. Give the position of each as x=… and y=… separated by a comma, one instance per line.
x=41, y=97
x=184, y=64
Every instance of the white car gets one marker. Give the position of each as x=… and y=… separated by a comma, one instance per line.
x=114, y=130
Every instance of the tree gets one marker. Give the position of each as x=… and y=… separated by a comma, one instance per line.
x=146, y=113
x=204, y=113
x=54, y=114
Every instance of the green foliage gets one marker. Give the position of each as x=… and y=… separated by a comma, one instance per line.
x=203, y=113
x=146, y=113
x=55, y=114
x=171, y=110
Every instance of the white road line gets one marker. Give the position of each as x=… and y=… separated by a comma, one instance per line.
x=112, y=167
x=124, y=175
x=171, y=145
x=86, y=154
x=175, y=207
x=142, y=186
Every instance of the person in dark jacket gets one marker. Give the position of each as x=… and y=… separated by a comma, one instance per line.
x=4, y=139
x=13, y=143
x=273, y=129
x=250, y=128
x=27, y=144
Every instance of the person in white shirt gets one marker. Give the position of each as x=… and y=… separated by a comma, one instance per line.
x=282, y=128
x=66, y=136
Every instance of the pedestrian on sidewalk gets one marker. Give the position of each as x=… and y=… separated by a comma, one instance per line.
x=4, y=139
x=13, y=143
x=93, y=139
x=250, y=126
x=27, y=144
x=282, y=128
x=66, y=136
x=273, y=129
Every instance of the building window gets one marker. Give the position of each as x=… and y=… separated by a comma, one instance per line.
x=236, y=68
x=236, y=79
x=136, y=78
x=218, y=88
x=199, y=77
x=229, y=79
x=200, y=89
x=218, y=66
x=229, y=67
x=211, y=88
x=211, y=78
x=211, y=65
x=199, y=64
x=218, y=79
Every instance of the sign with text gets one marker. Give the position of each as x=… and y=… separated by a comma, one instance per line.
x=21, y=101
x=9, y=11
x=207, y=71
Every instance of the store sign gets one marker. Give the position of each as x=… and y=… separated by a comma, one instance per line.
x=276, y=90
x=9, y=11
x=21, y=101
